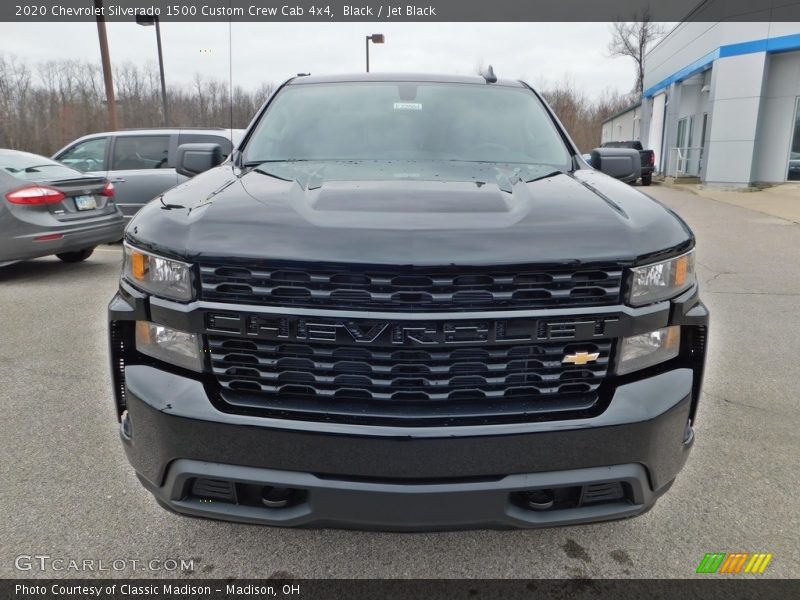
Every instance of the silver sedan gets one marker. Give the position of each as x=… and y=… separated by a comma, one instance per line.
x=48, y=208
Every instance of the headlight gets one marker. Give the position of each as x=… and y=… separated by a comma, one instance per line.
x=661, y=281
x=648, y=349
x=159, y=276
x=170, y=345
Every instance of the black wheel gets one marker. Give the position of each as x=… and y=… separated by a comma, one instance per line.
x=77, y=256
x=647, y=180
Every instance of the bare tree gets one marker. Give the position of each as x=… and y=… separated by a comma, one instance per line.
x=582, y=117
x=632, y=39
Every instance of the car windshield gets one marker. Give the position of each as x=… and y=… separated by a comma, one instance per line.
x=30, y=167
x=407, y=121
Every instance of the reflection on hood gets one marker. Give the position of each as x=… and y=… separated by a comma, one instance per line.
x=312, y=174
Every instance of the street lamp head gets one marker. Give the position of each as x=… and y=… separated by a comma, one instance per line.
x=377, y=38
x=146, y=20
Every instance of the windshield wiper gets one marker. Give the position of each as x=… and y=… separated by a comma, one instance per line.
x=255, y=163
x=546, y=176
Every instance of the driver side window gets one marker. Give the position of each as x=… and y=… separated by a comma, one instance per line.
x=140, y=152
x=86, y=156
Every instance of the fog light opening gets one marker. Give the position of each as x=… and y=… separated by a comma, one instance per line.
x=538, y=499
x=277, y=497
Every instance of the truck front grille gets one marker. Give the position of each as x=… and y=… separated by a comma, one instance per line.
x=323, y=381
x=410, y=289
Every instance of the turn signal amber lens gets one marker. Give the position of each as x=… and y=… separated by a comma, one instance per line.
x=138, y=265
x=681, y=268
x=673, y=337
x=143, y=332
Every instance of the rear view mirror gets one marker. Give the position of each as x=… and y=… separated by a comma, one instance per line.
x=621, y=163
x=193, y=159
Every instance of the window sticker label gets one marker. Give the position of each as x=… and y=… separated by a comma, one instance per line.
x=407, y=106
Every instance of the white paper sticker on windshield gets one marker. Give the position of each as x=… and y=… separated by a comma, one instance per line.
x=407, y=106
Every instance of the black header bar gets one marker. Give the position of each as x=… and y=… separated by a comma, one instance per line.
x=402, y=10
x=707, y=587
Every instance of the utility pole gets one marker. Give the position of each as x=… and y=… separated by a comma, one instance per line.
x=161, y=69
x=147, y=21
x=106, y=60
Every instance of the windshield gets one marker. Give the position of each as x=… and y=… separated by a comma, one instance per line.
x=407, y=121
x=31, y=167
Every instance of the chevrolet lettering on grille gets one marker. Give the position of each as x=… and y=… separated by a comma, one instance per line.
x=408, y=333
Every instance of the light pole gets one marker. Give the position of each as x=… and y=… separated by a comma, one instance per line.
x=377, y=38
x=146, y=21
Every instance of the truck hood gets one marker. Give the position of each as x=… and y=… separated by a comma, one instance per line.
x=408, y=213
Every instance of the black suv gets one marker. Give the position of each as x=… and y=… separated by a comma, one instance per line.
x=405, y=302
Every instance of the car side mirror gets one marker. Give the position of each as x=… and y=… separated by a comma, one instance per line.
x=193, y=159
x=621, y=163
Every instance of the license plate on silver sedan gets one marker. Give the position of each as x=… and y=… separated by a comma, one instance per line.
x=85, y=202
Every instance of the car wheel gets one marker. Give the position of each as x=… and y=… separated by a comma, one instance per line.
x=647, y=180
x=77, y=256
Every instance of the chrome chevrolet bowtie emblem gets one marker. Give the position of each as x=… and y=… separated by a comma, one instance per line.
x=581, y=358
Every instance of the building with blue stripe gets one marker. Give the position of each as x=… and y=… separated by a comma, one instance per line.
x=721, y=102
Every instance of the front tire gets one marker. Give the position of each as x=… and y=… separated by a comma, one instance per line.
x=77, y=256
x=647, y=180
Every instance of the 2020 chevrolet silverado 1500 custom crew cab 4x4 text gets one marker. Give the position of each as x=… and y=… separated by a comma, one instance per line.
x=405, y=302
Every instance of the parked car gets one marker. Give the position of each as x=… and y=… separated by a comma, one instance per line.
x=48, y=208
x=648, y=157
x=140, y=162
x=407, y=303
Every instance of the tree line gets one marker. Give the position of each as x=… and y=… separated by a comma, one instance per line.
x=581, y=116
x=46, y=105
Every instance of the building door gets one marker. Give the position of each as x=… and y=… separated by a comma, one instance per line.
x=793, y=173
x=656, y=130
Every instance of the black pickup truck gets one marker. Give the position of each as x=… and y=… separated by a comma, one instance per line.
x=648, y=158
x=406, y=302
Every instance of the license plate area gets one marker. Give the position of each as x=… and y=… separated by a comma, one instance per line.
x=85, y=202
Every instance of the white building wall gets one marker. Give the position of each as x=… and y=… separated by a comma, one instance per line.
x=735, y=104
x=623, y=127
x=776, y=124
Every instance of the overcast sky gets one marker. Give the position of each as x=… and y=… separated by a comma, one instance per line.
x=271, y=52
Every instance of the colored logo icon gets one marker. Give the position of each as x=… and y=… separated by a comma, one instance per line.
x=735, y=562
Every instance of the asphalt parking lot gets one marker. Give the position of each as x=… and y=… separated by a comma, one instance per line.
x=68, y=491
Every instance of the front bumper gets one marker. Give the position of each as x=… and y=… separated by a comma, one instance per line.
x=394, y=477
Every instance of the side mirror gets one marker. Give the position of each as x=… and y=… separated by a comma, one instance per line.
x=193, y=159
x=624, y=164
